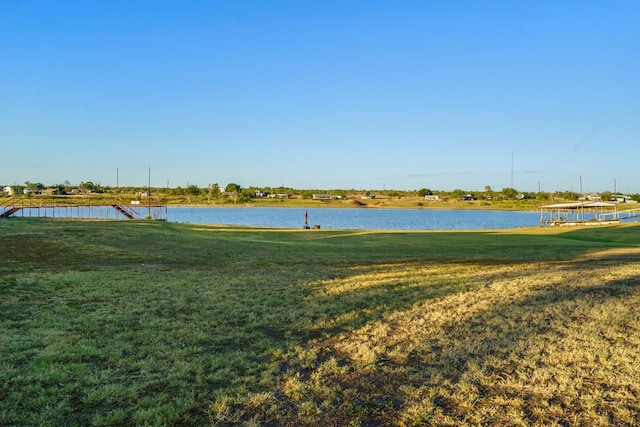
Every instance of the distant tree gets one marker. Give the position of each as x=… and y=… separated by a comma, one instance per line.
x=178, y=191
x=214, y=191
x=424, y=192
x=192, y=190
x=488, y=192
x=34, y=186
x=88, y=187
x=283, y=190
x=245, y=196
x=509, y=193
x=606, y=196
x=567, y=195
x=307, y=194
x=233, y=188
x=457, y=193
x=541, y=195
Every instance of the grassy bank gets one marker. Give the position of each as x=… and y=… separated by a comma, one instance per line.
x=381, y=201
x=147, y=323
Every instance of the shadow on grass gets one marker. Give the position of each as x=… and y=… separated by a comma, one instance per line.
x=556, y=353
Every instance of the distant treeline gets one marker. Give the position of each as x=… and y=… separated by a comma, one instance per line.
x=242, y=194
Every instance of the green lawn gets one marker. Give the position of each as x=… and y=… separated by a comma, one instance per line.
x=153, y=323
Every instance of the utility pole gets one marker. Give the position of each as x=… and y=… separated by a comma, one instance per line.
x=149, y=195
x=581, y=193
x=582, y=197
x=511, y=169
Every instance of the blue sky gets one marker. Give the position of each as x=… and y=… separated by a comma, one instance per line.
x=322, y=94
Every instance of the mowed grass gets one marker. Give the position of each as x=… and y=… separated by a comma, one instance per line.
x=151, y=323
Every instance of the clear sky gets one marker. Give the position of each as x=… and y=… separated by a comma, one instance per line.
x=322, y=94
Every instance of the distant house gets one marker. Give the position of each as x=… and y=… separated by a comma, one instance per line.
x=8, y=191
x=620, y=198
x=261, y=194
x=523, y=196
x=323, y=196
x=468, y=197
x=432, y=197
x=52, y=191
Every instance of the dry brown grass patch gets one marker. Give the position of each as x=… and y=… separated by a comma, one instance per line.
x=528, y=344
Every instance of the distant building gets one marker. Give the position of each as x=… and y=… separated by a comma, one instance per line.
x=432, y=197
x=8, y=191
x=323, y=196
x=593, y=197
x=620, y=198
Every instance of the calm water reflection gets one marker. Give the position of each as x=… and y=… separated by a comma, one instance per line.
x=371, y=219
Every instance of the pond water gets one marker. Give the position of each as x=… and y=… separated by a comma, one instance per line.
x=353, y=218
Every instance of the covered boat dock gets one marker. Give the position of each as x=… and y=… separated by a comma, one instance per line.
x=579, y=213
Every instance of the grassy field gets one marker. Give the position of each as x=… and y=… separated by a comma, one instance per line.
x=152, y=323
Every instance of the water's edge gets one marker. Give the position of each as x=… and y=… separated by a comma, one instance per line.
x=349, y=218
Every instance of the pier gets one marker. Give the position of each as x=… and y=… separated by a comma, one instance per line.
x=620, y=215
x=102, y=208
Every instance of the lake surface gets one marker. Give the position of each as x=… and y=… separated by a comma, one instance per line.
x=353, y=218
